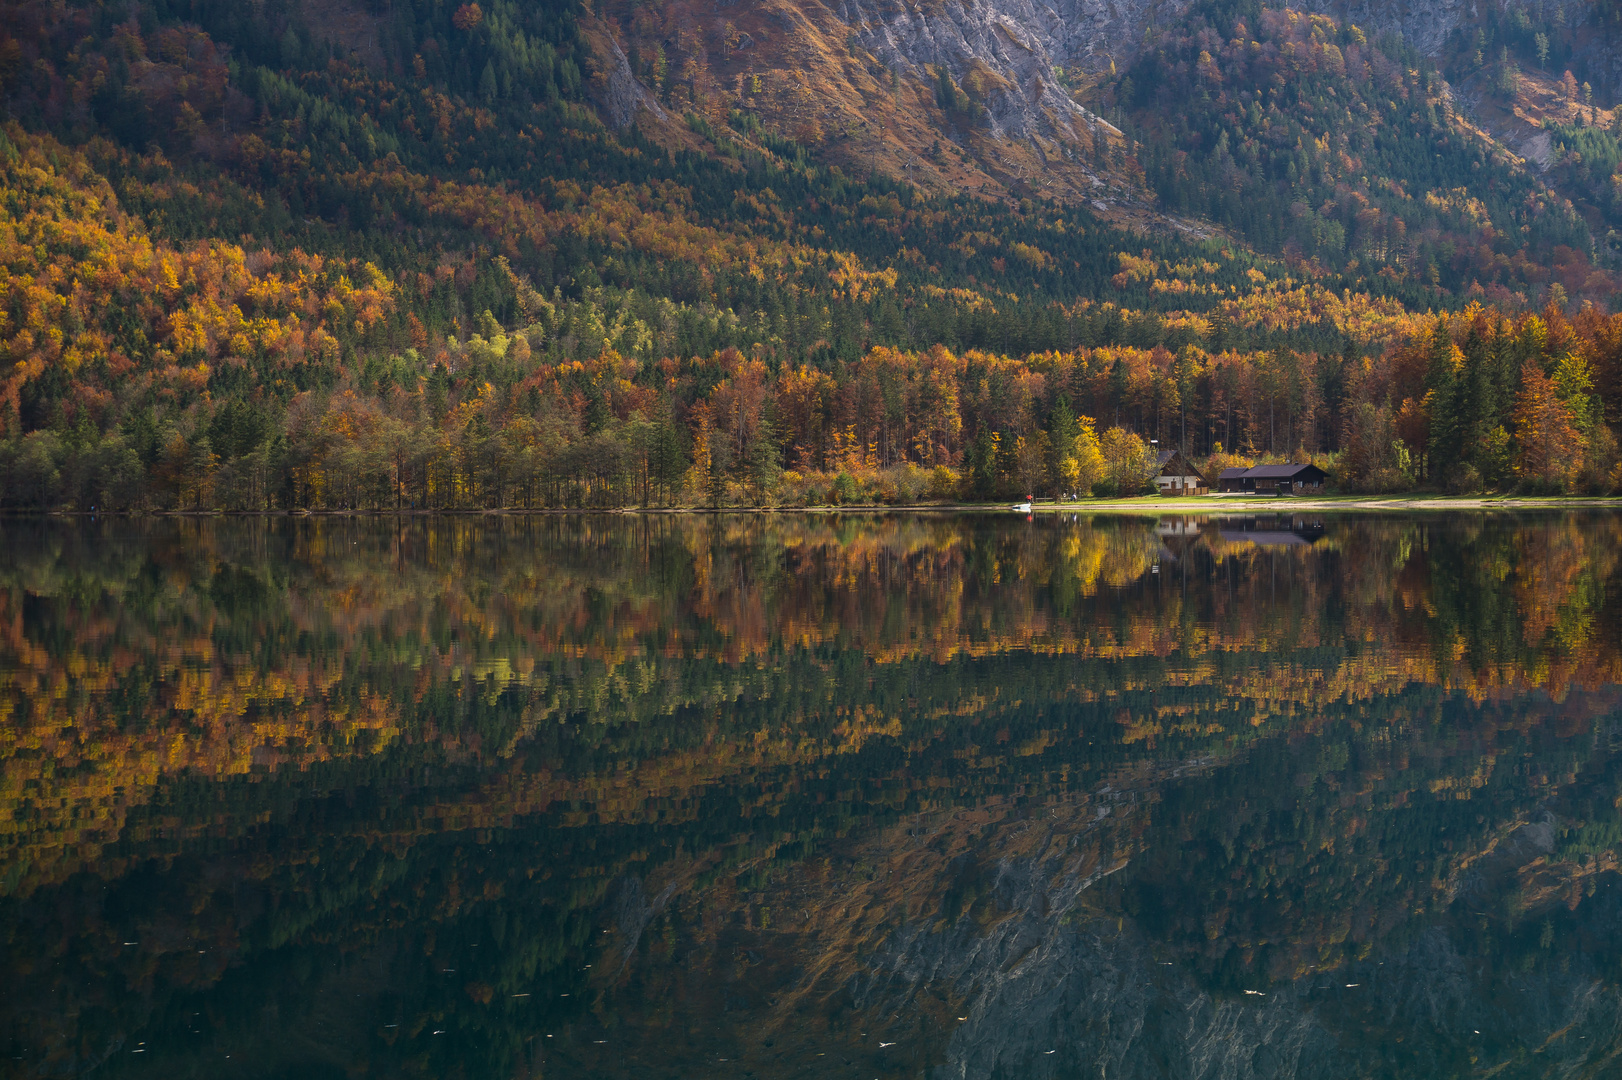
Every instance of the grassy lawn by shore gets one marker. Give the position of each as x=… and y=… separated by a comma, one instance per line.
x=1207, y=504
x=1222, y=504
x=1230, y=504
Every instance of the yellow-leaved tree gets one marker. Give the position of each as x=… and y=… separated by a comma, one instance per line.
x=1128, y=460
x=1083, y=465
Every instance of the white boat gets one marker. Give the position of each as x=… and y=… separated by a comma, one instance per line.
x=1022, y=508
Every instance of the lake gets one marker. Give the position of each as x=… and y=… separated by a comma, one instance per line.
x=812, y=796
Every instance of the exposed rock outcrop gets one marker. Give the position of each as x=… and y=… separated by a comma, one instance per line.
x=1007, y=51
x=618, y=94
x=1017, y=44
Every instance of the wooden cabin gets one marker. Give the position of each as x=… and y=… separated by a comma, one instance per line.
x=1303, y=479
x=1296, y=479
x=1174, y=475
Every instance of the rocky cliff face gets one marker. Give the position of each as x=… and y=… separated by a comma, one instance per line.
x=1014, y=46
x=1012, y=34
x=1009, y=48
x=1092, y=33
x=860, y=81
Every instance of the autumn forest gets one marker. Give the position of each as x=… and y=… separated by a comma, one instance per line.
x=349, y=728
x=412, y=260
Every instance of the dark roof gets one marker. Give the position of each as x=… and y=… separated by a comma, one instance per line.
x=1279, y=472
x=1174, y=459
x=1231, y=474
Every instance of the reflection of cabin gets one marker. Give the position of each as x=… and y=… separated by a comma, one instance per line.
x=1297, y=479
x=1274, y=532
x=1175, y=476
x=1182, y=527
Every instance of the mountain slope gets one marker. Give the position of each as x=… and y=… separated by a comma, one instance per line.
x=241, y=243
x=1007, y=96
x=1304, y=136
x=949, y=101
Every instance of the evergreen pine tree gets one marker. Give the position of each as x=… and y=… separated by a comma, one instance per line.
x=1442, y=406
x=1063, y=427
x=764, y=458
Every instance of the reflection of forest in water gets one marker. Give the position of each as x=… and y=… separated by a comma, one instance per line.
x=1144, y=794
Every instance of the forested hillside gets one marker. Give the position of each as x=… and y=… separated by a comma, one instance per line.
x=1310, y=139
x=265, y=257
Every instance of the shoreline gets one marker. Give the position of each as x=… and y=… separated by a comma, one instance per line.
x=1145, y=504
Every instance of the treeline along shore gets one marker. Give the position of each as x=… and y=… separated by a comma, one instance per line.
x=1476, y=402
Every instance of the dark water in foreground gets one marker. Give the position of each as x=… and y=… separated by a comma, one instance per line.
x=812, y=797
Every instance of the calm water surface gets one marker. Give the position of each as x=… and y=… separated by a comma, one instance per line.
x=812, y=797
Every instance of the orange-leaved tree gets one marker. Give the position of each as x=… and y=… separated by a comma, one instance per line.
x=1548, y=446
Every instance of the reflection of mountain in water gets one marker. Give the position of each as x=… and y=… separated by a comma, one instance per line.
x=1062, y=983
x=630, y=796
x=1092, y=998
